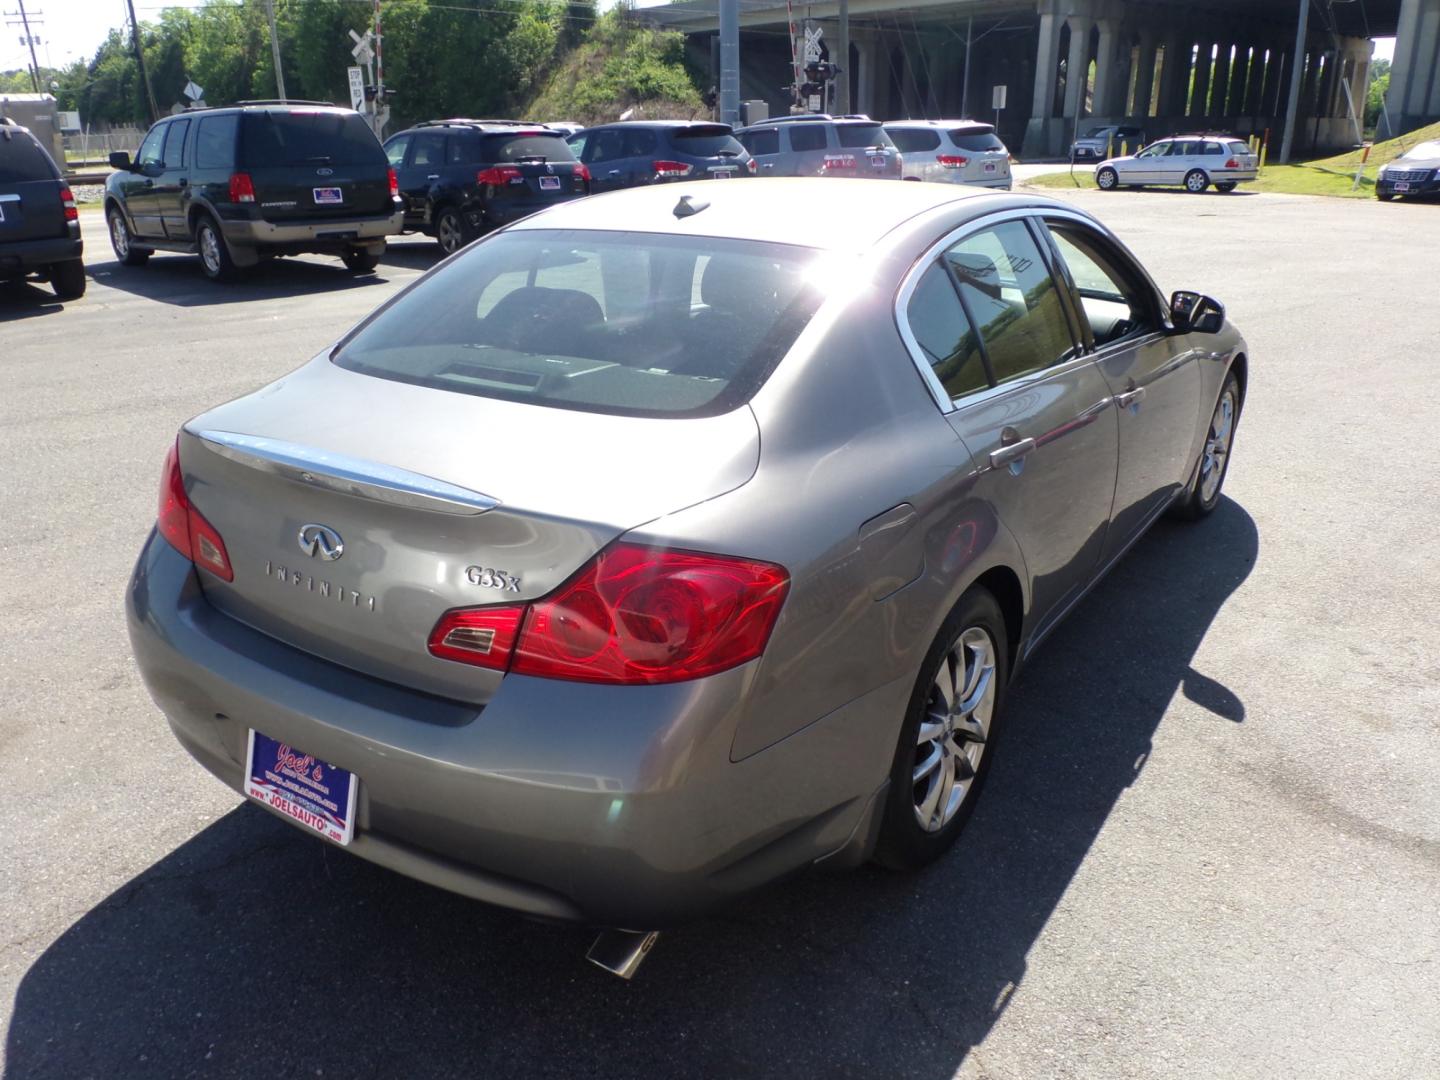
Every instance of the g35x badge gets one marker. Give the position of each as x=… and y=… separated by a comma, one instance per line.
x=487, y=578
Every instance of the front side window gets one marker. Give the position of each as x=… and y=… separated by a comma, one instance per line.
x=215, y=142
x=1155, y=150
x=150, y=152
x=395, y=150
x=174, y=153
x=639, y=324
x=1012, y=298
x=806, y=137
x=914, y=140
x=1112, y=294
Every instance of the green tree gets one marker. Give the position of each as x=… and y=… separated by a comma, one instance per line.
x=1375, y=96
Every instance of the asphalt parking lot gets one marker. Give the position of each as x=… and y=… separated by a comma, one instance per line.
x=1210, y=848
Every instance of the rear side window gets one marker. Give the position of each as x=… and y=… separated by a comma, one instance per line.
x=914, y=140
x=22, y=159
x=944, y=334
x=429, y=149
x=1214, y=148
x=215, y=142
x=1008, y=291
x=637, y=142
x=705, y=140
x=761, y=141
x=463, y=149
x=521, y=147
x=806, y=137
x=976, y=141
x=858, y=136
x=309, y=138
x=174, y=153
x=640, y=324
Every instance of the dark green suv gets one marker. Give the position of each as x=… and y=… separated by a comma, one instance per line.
x=235, y=185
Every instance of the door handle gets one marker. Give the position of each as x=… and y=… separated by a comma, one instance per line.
x=184, y=182
x=613, y=172
x=433, y=176
x=1130, y=397
x=1011, y=453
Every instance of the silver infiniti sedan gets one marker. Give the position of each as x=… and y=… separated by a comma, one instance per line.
x=668, y=542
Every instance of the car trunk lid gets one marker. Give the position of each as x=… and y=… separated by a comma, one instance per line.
x=349, y=539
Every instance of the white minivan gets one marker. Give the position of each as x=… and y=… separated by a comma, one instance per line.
x=951, y=151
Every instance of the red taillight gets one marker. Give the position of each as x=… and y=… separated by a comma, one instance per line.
x=184, y=527
x=394, y=183
x=670, y=168
x=754, y=168
x=633, y=615
x=952, y=161
x=839, y=161
x=67, y=199
x=242, y=188
x=500, y=174
x=1232, y=164
x=582, y=172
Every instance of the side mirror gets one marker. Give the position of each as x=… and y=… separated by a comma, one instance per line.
x=1192, y=312
x=120, y=159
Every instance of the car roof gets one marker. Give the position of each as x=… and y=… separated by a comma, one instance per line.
x=486, y=127
x=815, y=212
x=940, y=124
x=657, y=124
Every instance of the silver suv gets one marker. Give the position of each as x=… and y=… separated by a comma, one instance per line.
x=952, y=152
x=822, y=145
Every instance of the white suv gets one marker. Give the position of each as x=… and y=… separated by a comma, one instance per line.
x=952, y=152
x=1192, y=161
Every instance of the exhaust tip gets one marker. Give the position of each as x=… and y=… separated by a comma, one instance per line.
x=621, y=952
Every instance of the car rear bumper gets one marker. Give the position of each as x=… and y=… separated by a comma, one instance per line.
x=617, y=806
x=26, y=255
x=321, y=234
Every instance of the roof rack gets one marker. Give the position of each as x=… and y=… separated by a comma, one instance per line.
x=463, y=121
x=287, y=101
x=802, y=118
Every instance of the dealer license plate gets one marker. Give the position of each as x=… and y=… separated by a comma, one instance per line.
x=989, y=166
x=328, y=196
x=1402, y=185
x=878, y=160
x=721, y=174
x=312, y=793
x=549, y=183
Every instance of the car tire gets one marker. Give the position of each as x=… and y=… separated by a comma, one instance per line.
x=1226, y=186
x=68, y=279
x=359, y=260
x=451, y=232
x=1196, y=181
x=1107, y=179
x=970, y=652
x=214, y=253
x=122, y=241
x=1203, y=495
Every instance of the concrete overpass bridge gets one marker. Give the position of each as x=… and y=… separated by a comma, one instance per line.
x=1164, y=65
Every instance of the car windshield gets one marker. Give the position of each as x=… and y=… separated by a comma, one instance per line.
x=976, y=141
x=854, y=136
x=1098, y=132
x=1423, y=150
x=640, y=324
x=518, y=147
x=712, y=140
x=21, y=159
x=301, y=138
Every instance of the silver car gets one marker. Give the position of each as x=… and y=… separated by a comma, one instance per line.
x=665, y=543
x=846, y=147
x=1190, y=161
x=952, y=152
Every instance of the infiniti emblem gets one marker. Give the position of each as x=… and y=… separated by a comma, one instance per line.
x=321, y=540
x=324, y=172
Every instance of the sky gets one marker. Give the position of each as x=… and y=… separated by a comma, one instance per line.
x=71, y=30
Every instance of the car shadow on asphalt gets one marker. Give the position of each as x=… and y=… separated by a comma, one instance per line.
x=254, y=947
x=24, y=300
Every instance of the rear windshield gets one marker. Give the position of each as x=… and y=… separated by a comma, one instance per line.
x=913, y=140
x=305, y=138
x=640, y=324
x=711, y=141
x=1239, y=148
x=517, y=147
x=22, y=159
x=858, y=135
x=976, y=141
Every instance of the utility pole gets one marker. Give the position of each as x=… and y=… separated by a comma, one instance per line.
x=382, y=113
x=1297, y=70
x=729, y=62
x=275, y=48
x=140, y=62
x=29, y=40
x=965, y=86
x=842, y=46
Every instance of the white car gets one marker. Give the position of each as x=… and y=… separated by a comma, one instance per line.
x=1192, y=161
x=952, y=152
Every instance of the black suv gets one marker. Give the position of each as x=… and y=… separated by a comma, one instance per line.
x=39, y=225
x=639, y=152
x=462, y=178
x=237, y=184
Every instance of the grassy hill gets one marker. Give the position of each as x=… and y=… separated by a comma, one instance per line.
x=620, y=65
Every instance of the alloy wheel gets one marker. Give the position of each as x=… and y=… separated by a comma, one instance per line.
x=1106, y=180
x=954, y=729
x=210, y=249
x=1217, y=446
x=1196, y=182
x=119, y=235
x=447, y=231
